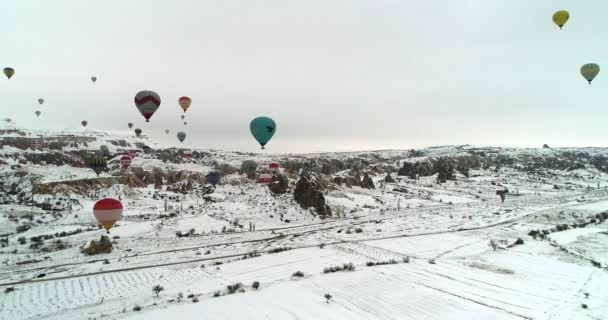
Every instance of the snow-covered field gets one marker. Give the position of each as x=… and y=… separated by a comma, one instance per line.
x=438, y=236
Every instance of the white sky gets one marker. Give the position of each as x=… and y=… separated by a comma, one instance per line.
x=334, y=75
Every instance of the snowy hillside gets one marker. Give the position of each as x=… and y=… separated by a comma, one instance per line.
x=412, y=234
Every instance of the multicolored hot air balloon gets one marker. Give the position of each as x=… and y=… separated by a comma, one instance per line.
x=213, y=178
x=265, y=178
x=93, y=79
x=9, y=72
x=84, y=123
x=97, y=163
x=125, y=161
x=589, y=71
x=107, y=212
x=262, y=129
x=273, y=167
x=181, y=136
x=184, y=102
x=147, y=102
x=37, y=113
x=40, y=101
x=561, y=17
x=138, y=132
x=130, y=125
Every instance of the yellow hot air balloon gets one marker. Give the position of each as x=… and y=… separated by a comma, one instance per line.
x=589, y=71
x=561, y=17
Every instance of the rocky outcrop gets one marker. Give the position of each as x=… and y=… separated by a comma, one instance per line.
x=279, y=184
x=388, y=178
x=82, y=186
x=308, y=195
x=367, y=182
x=104, y=245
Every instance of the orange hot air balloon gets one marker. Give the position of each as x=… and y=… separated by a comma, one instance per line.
x=107, y=212
x=184, y=102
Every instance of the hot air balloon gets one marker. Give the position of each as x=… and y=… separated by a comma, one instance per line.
x=213, y=178
x=7, y=120
x=165, y=156
x=181, y=136
x=137, y=132
x=147, y=102
x=40, y=100
x=262, y=129
x=184, y=102
x=188, y=154
x=273, y=167
x=185, y=123
x=130, y=125
x=125, y=161
x=167, y=131
x=93, y=79
x=183, y=116
x=37, y=113
x=107, y=212
x=97, y=163
x=9, y=72
x=249, y=166
x=589, y=71
x=265, y=178
x=560, y=18
x=84, y=123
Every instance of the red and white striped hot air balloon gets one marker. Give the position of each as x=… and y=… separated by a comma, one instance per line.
x=265, y=178
x=125, y=161
x=107, y=212
x=273, y=167
x=147, y=102
x=184, y=102
x=188, y=154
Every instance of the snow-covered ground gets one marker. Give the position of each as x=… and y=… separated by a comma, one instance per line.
x=443, y=230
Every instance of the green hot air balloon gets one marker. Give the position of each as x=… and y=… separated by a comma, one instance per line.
x=181, y=136
x=97, y=163
x=589, y=71
x=262, y=129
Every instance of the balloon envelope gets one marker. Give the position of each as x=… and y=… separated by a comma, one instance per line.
x=273, y=167
x=37, y=113
x=97, y=163
x=561, y=17
x=167, y=131
x=589, y=71
x=184, y=102
x=130, y=125
x=40, y=100
x=137, y=132
x=181, y=136
x=265, y=178
x=93, y=79
x=262, y=129
x=147, y=102
x=9, y=72
x=107, y=212
x=213, y=178
x=125, y=161
x=84, y=123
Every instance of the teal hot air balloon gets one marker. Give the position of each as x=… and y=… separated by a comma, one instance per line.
x=589, y=71
x=262, y=129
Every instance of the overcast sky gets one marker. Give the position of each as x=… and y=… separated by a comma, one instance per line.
x=334, y=75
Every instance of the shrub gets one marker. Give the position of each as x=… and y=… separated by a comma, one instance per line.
x=195, y=300
x=322, y=246
x=280, y=249
x=106, y=261
x=327, y=297
x=358, y=230
x=137, y=308
x=298, y=274
x=190, y=296
x=519, y=241
x=232, y=288
x=9, y=289
x=255, y=285
x=217, y=294
x=345, y=267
